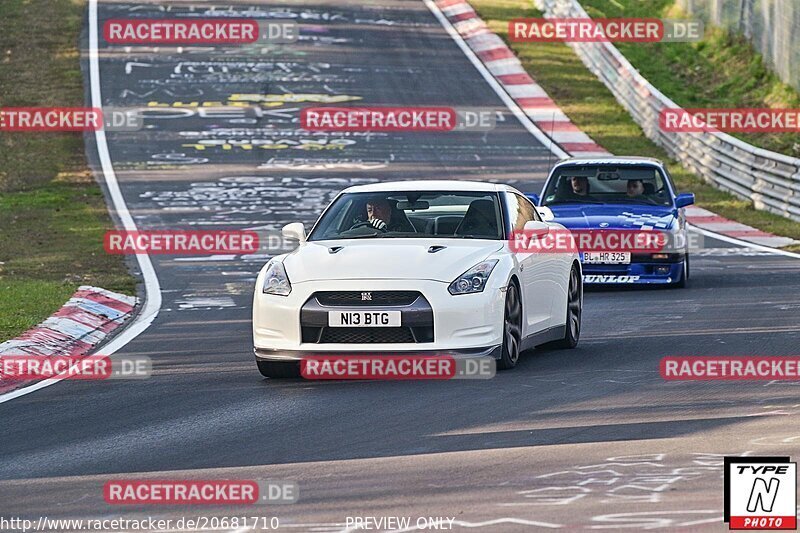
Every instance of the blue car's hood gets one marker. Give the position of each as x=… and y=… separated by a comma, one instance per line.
x=614, y=216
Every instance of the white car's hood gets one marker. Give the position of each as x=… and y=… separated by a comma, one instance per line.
x=387, y=258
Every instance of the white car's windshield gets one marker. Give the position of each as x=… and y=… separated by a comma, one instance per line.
x=634, y=184
x=412, y=214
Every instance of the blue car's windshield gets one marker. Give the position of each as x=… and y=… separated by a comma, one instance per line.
x=635, y=184
x=412, y=214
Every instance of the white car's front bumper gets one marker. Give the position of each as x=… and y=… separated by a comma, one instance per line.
x=466, y=325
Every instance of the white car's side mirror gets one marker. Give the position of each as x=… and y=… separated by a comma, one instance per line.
x=536, y=228
x=295, y=230
x=546, y=214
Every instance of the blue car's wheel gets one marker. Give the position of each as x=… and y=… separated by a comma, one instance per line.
x=681, y=283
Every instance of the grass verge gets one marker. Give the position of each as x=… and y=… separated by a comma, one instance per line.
x=52, y=213
x=722, y=71
x=592, y=107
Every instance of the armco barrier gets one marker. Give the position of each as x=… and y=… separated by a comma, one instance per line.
x=771, y=180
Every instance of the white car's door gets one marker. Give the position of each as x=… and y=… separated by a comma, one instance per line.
x=539, y=271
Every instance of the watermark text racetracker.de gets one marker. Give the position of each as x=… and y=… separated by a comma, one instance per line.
x=730, y=120
x=75, y=119
x=200, y=492
x=388, y=119
x=72, y=367
x=397, y=367
x=712, y=368
x=181, y=242
x=199, y=31
x=621, y=30
x=602, y=240
x=197, y=242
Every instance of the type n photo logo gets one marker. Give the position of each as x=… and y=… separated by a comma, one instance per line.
x=760, y=493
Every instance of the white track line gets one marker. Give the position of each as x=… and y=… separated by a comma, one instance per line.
x=152, y=288
x=493, y=83
x=740, y=242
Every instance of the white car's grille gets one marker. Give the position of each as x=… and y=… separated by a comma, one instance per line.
x=366, y=335
x=347, y=298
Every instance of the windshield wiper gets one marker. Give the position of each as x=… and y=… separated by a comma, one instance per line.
x=643, y=201
x=402, y=235
x=366, y=235
x=574, y=201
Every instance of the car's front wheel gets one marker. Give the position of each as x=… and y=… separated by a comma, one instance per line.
x=681, y=283
x=574, y=310
x=512, y=329
x=278, y=369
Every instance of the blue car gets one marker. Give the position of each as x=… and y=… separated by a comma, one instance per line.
x=625, y=194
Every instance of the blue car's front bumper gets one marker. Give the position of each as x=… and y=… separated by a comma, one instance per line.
x=637, y=272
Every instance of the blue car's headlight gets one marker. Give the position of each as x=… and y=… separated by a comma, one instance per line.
x=275, y=280
x=474, y=279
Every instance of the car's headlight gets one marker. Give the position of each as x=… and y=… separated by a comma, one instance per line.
x=474, y=279
x=275, y=280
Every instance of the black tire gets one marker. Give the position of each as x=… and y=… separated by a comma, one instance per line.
x=512, y=329
x=278, y=369
x=681, y=283
x=572, y=333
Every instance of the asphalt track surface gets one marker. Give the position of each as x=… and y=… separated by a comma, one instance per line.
x=588, y=438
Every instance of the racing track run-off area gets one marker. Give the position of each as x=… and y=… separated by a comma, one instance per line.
x=590, y=438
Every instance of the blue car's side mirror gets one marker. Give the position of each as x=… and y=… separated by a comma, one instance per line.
x=533, y=198
x=682, y=200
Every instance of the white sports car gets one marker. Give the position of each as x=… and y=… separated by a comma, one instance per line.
x=413, y=268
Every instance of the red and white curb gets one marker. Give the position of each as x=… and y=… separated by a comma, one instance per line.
x=708, y=220
x=507, y=69
x=501, y=62
x=74, y=330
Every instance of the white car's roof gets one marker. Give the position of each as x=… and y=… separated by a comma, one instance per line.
x=611, y=160
x=431, y=185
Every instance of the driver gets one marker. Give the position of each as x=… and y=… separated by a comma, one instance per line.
x=384, y=216
x=379, y=214
x=635, y=188
x=580, y=185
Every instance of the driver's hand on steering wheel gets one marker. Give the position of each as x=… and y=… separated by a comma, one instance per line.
x=378, y=224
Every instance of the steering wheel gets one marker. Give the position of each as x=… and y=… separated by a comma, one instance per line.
x=364, y=224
